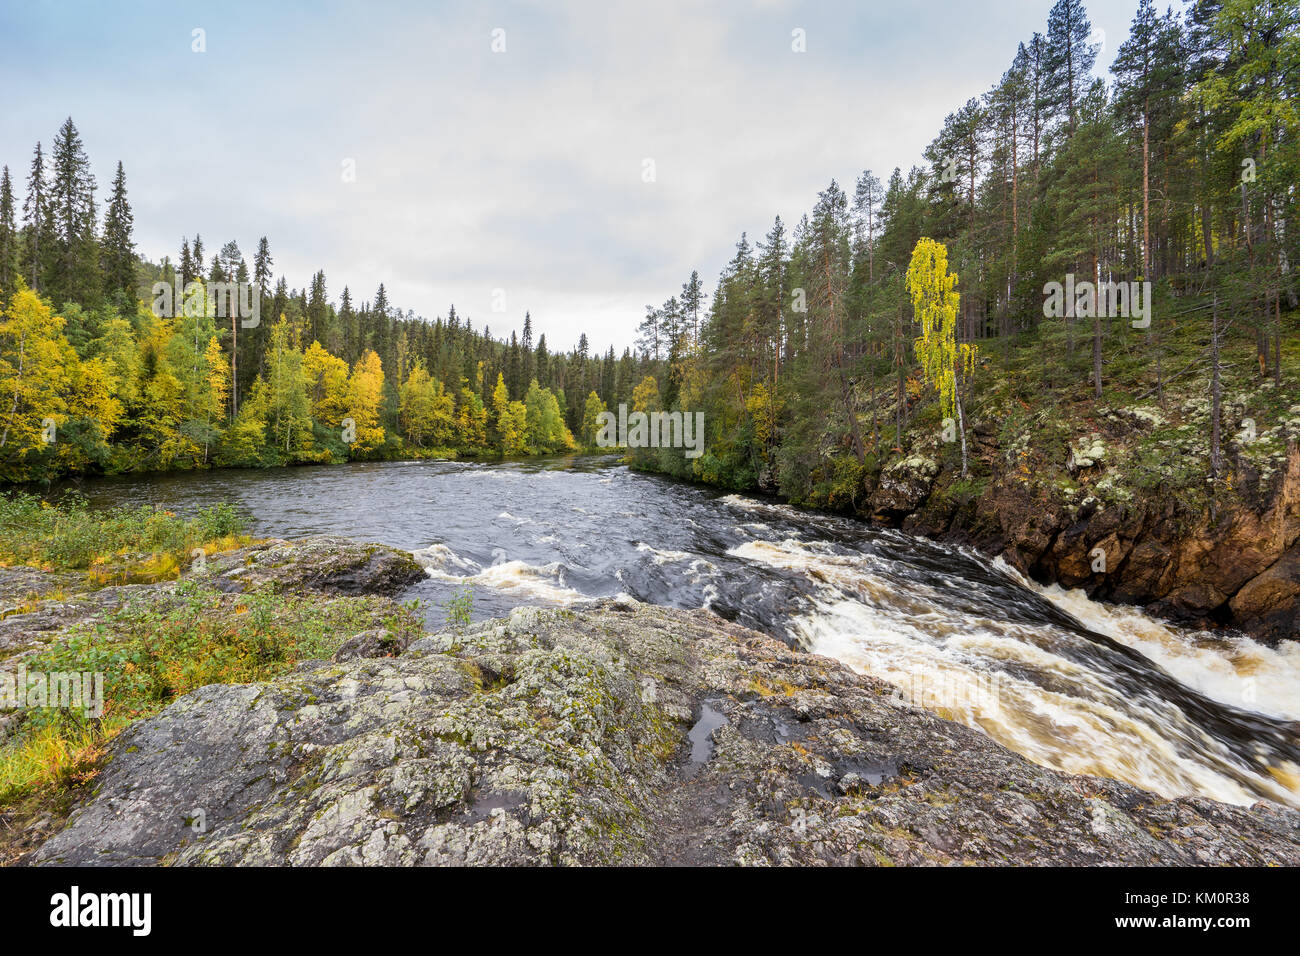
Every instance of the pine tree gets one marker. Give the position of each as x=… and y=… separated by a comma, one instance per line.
x=73, y=265
x=771, y=275
x=1070, y=58
x=1148, y=86
x=119, y=249
x=8, y=241
x=36, y=224
x=866, y=211
x=648, y=341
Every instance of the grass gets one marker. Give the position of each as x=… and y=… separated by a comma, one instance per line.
x=159, y=647
x=115, y=546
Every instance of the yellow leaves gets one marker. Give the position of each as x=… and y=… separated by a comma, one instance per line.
x=426, y=410
x=510, y=418
x=544, y=422
x=590, y=419
x=37, y=371
x=218, y=379
x=327, y=385
x=94, y=395
x=645, y=397
x=471, y=418
x=365, y=392
x=935, y=300
x=764, y=408
x=967, y=355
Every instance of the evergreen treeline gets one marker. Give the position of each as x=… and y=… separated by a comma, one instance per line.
x=1181, y=171
x=91, y=379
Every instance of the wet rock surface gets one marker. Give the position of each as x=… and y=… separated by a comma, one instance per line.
x=614, y=733
x=1238, y=567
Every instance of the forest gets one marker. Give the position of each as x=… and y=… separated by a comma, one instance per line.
x=1179, y=170
x=814, y=360
x=97, y=379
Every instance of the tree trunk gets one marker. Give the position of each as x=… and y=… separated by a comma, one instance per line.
x=1216, y=394
x=1146, y=189
x=234, y=351
x=961, y=429
x=1096, y=328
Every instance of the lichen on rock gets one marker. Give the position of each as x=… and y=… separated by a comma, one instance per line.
x=578, y=736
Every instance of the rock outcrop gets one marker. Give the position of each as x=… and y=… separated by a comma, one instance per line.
x=1239, y=567
x=616, y=733
x=331, y=564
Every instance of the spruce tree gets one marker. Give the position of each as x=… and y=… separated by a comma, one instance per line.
x=262, y=263
x=74, y=270
x=36, y=223
x=119, y=249
x=8, y=240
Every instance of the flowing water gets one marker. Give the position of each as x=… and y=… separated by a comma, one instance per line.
x=1066, y=681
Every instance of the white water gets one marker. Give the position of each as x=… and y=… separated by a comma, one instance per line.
x=1012, y=681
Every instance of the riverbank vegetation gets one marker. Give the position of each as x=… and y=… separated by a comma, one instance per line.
x=1177, y=170
x=132, y=652
x=159, y=647
x=115, y=546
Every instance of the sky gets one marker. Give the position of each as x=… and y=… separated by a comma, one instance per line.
x=576, y=160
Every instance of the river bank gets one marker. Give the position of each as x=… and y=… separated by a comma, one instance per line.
x=613, y=732
x=1119, y=511
x=1236, y=564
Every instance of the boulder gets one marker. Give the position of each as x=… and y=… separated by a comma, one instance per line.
x=331, y=564
x=904, y=485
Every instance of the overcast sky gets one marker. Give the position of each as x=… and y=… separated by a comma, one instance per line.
x=475, y=171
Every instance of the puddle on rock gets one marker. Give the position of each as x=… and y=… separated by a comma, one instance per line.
x=487, y=801
x=701, y=736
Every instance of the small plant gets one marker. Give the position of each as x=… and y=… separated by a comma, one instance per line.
x=460, y=608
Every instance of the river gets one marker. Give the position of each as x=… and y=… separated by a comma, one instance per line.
x=1068, y=682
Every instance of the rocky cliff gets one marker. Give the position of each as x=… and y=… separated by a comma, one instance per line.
x=1237, y=564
